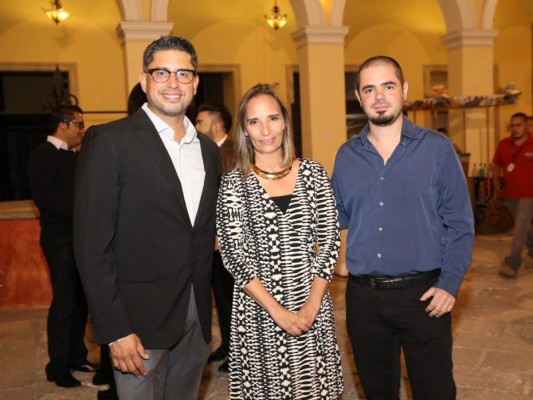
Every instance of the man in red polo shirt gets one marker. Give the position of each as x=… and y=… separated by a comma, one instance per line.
x=514, y=159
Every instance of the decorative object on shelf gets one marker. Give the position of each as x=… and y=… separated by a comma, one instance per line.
x=56, y=12
x=441, y=91
x=276, y=19
x=510, y=91
x=461, y=102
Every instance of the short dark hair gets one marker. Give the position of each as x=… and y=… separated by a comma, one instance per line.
x=519, y=115
x=442, y=130
x=136, y=99
x=221, y=110
x=64, y=113
x=169, y=43
x=378, y=61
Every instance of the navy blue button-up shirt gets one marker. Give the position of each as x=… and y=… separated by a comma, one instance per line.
x=410, y=215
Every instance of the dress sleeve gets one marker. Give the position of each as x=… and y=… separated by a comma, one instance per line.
x=230, y=229
x=327, y=230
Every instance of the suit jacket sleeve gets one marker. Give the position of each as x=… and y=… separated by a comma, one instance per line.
x=96, y=198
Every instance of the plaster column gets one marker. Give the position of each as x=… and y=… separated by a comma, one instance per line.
x=136, y=36
x=323, y=102
x=471, y=73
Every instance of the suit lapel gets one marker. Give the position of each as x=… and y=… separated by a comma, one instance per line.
x=210, y=171
x=151, y=140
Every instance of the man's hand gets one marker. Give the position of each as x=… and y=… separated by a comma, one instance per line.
x=441, y=303
x=126, y=355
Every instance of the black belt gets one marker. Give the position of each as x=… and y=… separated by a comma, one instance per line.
x=394, y=282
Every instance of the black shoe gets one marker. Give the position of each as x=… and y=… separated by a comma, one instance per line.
x=66, y=380
x=86, y=367
x=99, y=378
x=224, y=367
x=108, y=394
x=218, y=355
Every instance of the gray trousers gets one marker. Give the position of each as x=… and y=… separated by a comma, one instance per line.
x=173, y=373
x=522, y=210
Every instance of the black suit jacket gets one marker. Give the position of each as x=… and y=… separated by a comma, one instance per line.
x=227, y=156
x=136, y=249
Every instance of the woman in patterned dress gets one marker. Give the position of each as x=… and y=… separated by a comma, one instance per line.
x=279, y=238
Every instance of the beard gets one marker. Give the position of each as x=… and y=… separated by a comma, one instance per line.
x=383, y=119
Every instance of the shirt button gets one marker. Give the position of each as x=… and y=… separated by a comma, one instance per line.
x=380, y=229
x=379, y=255
x=381, y=203
x=382, y=178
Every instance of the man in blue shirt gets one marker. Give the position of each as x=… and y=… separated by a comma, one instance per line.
x=402, y=195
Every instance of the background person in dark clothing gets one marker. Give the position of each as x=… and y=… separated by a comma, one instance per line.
x=214, y=120
x=51, y=169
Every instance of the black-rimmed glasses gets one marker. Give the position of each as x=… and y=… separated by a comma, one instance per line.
x=79, y=124
x=162, y=75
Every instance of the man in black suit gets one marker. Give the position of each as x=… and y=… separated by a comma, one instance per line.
x=144, y=223
x=51, y=168
x=214, y=120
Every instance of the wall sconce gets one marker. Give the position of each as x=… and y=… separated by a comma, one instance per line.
x=56, y=12
x=276, y=19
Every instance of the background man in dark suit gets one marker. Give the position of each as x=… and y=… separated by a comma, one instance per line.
x=145, y=196
x=214, y=120
x=51, y=169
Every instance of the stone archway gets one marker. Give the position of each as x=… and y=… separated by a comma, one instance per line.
x=131, y=10
x=318, y=13
x=461, y=15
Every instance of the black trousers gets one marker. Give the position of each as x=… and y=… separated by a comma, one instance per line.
x=382, y=322
x=67, y=315
x=223, y=290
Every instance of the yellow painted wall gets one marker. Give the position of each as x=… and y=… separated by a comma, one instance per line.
x=86, y=39
x=513, y=55
x=408, y=32
x=236, y=33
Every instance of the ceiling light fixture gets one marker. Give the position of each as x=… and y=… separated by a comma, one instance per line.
x=276, y=19
x=56, y=12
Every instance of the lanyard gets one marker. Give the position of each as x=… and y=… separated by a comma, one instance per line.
x=516, y=152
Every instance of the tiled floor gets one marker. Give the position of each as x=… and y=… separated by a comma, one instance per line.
x=493, y=341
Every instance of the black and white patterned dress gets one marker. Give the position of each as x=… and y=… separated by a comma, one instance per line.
x=258, y=239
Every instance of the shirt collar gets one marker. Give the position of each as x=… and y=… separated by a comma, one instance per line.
x=409, y=130
x=58, y=143
x=166, y=131
x=527, y=141
x=221, y=141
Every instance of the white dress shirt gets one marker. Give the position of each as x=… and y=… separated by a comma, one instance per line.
x=186, y=158
x=58, y=143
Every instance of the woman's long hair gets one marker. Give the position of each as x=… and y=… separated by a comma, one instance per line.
x=244, y=150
